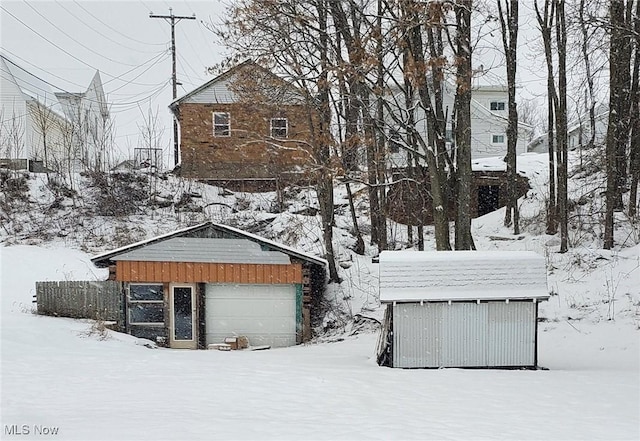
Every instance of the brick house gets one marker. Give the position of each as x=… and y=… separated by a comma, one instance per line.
x=246, y=126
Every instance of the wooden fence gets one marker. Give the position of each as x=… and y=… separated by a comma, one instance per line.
x=98, y=300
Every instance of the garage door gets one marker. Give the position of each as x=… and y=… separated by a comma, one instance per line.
x=266, y=314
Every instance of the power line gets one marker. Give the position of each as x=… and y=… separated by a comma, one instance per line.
x=100, y=33
x=73, y=39
x=114, y=77
x=114, y=29
x=163, y=83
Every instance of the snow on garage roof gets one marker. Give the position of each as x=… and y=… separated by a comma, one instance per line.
x=189, y=249
x=409, y=276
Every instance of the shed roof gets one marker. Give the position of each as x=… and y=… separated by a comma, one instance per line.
x=189, y=249
x=409, y=276
x=102, y=260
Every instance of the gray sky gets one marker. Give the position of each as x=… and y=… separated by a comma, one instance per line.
x=64, y=42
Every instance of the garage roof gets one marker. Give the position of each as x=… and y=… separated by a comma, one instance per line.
x=409, y=276
x=189, y=249
x=102, y=260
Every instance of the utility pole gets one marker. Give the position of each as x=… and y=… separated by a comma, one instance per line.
x=173, y=20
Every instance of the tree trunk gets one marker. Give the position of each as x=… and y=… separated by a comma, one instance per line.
x=561, y=126
x=509, y=26
x=463, y=237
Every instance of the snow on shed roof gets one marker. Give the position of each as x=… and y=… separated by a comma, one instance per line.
x=190, y=249
x=409, y=276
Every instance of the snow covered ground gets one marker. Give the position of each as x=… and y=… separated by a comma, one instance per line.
x=54, y=375
x=58, y=376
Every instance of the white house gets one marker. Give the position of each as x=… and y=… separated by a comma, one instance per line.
x=89, y=114
x=578, y=133
x=43, y=128
x=489, y=113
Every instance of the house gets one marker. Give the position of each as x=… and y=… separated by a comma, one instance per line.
x=32, y=120
x=578, y=133
x=246, y=126
x=472, y=309
x=489, y=117
x=197, y=286
x=410, y=202
x=44, y=129
x=89, y=114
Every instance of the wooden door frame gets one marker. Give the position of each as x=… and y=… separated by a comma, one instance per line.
x=183, y=344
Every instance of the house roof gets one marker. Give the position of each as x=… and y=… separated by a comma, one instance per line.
x=104, y=259
x=32, y=87
x=191, y=249
x=228, y=74
x=411, y=276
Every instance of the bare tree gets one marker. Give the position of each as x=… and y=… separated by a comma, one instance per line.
x=463, y=237
x=508, y=15
x=618, y=136
x=295, y=39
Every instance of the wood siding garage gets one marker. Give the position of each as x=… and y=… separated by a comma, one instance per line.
x=266, y=314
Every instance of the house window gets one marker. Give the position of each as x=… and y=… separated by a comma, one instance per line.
x=497, y=139
x=279, y=127
x=497, y=105
x=221, y=124
x=394, y=141
x=146, y=304
x=448, y=135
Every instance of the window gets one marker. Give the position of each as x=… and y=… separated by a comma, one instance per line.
x=279, y=127
x=146, y=304
x=221, y=124
x=394, y=141
x=497, y=139
x=448, y=135
x=497, y=105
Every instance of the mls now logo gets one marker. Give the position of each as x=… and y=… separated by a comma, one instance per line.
x=25, y=429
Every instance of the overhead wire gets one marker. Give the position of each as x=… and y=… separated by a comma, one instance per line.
x=100, y=33
x=114, y=29
x=74, y=39
x=64, y=90
x=114, y=77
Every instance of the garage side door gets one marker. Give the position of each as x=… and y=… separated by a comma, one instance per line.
x=266, y=314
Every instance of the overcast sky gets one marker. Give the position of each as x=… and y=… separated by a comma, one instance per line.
x=64, y=42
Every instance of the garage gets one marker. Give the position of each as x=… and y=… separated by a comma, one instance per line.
x=265, y=314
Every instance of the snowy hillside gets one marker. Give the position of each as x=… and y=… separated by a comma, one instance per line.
x=61, y=373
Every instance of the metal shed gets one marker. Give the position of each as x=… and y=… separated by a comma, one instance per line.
x=473, y=309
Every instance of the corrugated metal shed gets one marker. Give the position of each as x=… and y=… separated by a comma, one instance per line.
x=461, y=308
x=461, y=275
x=188, y=249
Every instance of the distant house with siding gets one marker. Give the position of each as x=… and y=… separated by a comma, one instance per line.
x=489, y=117
x=578, y=133
x=45, y=129
x=472, y=309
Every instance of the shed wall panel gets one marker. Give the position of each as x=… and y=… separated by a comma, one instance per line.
x=189, y=272
x=512, y=334
x=464, y=334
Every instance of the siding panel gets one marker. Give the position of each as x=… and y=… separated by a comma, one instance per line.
x=464, y=334
x=189, y=272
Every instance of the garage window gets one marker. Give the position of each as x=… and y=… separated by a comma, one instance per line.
x=146, y=304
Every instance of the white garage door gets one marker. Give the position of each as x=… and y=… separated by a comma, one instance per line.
x=266, y=314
